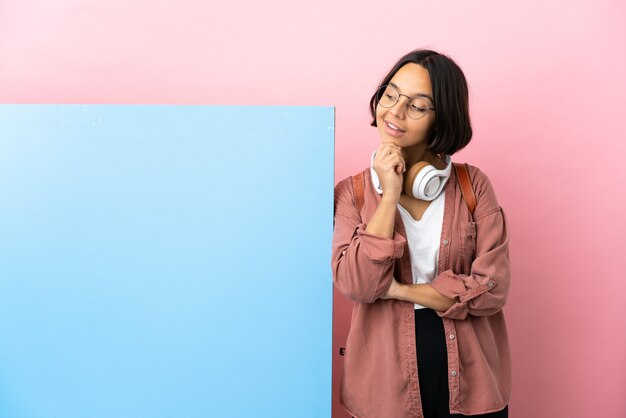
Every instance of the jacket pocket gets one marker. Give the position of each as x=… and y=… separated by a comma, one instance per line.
x=467, y=247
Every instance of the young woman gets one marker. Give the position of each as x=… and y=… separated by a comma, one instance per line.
x=428, y=336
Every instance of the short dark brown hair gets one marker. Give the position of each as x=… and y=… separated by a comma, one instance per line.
x=453, y=128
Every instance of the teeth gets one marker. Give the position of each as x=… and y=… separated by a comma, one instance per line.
x=394, y=127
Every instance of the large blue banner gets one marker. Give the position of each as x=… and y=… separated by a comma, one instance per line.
x=165, y=261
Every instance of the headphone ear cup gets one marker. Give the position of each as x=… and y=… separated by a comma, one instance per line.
x=412, y=174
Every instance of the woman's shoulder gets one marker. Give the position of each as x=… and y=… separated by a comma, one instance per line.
x=478, y=176
x=486, y=199
x=346, y=185
x=344, y=192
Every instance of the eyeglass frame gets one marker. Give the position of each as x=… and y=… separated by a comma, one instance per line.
x=407, y=103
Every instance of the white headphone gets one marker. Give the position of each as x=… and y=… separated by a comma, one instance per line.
x=423, y=181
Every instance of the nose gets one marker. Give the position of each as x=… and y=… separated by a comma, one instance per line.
x=399, y=108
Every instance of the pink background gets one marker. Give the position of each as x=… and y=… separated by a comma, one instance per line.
x=548, y=100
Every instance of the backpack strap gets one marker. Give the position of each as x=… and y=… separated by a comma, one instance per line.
x=358, y=184
x=466, y=186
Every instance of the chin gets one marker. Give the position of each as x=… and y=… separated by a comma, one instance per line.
x=386, y=138
x=395, y=142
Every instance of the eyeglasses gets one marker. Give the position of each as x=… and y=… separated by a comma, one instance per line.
x=417, y=106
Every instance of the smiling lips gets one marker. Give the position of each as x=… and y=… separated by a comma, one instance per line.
x=393, y=130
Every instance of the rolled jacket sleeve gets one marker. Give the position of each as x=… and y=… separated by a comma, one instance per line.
x=484, y=291
x=362, y=263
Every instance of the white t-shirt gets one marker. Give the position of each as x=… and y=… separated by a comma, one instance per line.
x=423, y=237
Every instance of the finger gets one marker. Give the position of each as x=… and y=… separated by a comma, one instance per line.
x=392, y=162
x=395, y=157
x=393, y=144
x=386, y=153
x=387, y=147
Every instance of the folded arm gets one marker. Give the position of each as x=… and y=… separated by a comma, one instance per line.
x=362, y=261
x=484, y=291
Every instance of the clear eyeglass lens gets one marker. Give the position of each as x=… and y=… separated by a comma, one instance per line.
x=418, y=108
x=389, y=95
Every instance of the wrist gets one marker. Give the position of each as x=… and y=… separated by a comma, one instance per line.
x=398, y=290
x=390, y=199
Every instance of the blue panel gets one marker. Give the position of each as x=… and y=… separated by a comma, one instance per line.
x=165, y=261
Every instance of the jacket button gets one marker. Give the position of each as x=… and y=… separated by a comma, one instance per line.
x=452, y=336
x=445, y=242
x=454, y=373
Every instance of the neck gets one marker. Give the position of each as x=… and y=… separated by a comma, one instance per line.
x=414, y=155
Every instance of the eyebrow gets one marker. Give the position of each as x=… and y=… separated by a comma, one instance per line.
x=417, y=95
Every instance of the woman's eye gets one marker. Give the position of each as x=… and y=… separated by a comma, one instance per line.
x=418, y=109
